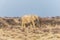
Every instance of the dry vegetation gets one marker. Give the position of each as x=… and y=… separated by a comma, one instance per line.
x=30, y=27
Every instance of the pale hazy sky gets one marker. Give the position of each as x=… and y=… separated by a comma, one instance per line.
x=23, y=7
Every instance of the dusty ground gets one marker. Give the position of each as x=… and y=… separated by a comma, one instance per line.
x=30, y=34
x=30, y=28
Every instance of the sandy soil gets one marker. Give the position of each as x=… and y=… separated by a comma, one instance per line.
x=29, y=34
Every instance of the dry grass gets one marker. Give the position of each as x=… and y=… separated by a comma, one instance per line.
x=30, y=28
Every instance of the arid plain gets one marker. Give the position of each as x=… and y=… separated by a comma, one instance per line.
x=30, y=27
